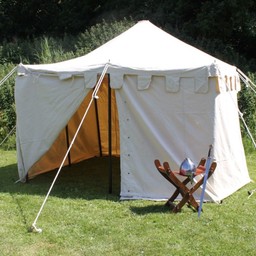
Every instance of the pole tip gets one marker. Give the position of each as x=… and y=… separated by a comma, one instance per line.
x=34, y=229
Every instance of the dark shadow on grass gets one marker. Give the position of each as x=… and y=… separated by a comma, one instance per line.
x=154, y=208
x=88, y=179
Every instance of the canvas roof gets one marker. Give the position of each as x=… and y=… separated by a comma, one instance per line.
x=143, y=47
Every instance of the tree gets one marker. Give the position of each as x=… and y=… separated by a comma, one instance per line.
x=31, y=18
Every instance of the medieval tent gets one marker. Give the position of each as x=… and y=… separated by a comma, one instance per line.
x=167, y=100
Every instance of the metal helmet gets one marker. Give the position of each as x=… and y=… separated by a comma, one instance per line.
x=187, y=168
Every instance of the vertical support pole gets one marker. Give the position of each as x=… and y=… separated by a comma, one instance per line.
x=67, y=140
x=110, y=136
x=98, y=125
x=27, y=179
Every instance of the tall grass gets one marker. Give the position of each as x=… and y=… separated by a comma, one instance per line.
x=81, y=218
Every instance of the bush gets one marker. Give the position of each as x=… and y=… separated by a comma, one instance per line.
x=249, y=147
x=7, y=106
x=247, y=106
x=50, y=50
x=100, y=34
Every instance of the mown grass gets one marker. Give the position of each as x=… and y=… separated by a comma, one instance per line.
x=82, y=218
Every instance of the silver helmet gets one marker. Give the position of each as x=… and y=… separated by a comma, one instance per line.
x=187, y=168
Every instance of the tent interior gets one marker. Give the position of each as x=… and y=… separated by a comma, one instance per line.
x=96, y=137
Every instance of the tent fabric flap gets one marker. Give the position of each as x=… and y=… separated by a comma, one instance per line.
x=43, y=105
x=92, y=139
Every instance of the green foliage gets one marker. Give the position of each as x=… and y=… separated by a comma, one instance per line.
x=50, y=50
x=43, y=49
x=232, y=26
x=229, y=25
x=46, y=49
x=100, y=34
x=249, y=147
x=30, y=18
x=7, y=105
x=247, y=106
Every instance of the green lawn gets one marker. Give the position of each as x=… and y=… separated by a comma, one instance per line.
x=81, y=218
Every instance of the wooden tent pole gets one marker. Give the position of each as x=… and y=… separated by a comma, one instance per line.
x=110, y=136
x=98, y=125
x=67, y=140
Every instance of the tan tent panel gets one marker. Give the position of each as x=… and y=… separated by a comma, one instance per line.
x=169, y=101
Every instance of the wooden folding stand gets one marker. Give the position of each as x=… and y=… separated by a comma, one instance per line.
x=181, y=186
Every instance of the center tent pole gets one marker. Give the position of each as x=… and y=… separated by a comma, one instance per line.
x=33, y=228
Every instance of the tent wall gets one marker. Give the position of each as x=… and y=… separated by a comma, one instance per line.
x=148, y=122
x=173, y=126
x=229, y=152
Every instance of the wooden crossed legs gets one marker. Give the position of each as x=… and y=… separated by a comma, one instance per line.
x=181, y=188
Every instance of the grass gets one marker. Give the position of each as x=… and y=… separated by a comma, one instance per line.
x=82, y=218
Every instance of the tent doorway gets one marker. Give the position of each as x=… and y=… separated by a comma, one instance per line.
x=98, y=136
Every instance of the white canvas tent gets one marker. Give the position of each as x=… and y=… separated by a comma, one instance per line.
x=169, y=101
